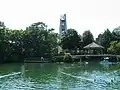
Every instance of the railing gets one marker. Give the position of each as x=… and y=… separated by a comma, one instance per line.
x=100, y=55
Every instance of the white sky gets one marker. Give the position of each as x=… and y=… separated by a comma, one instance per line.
x=95, y=15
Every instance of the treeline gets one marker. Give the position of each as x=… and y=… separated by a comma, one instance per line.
x=110, y=40
x=39, y=41
x=73, y=42
x=35, y=41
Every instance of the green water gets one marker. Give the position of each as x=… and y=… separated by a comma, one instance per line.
x=36, y=76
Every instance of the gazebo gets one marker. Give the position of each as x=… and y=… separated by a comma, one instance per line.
x=93, y=48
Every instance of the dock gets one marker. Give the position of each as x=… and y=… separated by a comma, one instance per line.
x=91, y=56
x=101, y=55
x=35, y=61
x=88, y=55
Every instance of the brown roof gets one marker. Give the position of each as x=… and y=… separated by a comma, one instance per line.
x=93, y=45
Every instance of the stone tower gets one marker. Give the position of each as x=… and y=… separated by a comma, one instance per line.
x=63, y=24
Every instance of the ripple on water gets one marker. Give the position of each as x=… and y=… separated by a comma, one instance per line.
x=81, y=80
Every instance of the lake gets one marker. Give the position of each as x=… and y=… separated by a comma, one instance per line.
x=65, y=76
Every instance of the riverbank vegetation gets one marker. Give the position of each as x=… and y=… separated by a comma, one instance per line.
x=35, y=41
x=39, y=41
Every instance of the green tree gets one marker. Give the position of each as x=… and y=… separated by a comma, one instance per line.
x=87, y=37
x=116, y=34
x=3, y=43
x=41, y=41
x=99, y=39
x=114, y=47
x=106, y=39
x=35, y=41
x=70, y=40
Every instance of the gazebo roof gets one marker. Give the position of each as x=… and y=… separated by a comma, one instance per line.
x=93, y=45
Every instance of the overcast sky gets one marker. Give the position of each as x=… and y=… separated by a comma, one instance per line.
x=93, y=15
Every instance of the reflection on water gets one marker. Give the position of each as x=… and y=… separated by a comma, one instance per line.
x=23, y=70
x=32, y=76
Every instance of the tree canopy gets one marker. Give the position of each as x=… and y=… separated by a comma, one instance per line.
x=35, y=41
x=87, y=37
x=70, y=40
x=114, y=47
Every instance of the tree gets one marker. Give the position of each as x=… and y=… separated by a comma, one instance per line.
x=99, y=39
x=114, y=47
x=41, y=42
x=35, y=41
x=87, y=37
x=116, y=34
x=70, y=40
x=106, y=39
x=3, y=43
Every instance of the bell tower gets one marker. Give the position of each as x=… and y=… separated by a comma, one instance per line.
x=63, y=24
